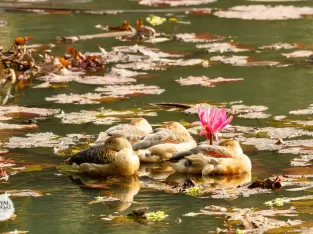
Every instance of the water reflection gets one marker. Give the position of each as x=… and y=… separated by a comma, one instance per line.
x=122, y=188
x=158, y=171
x=7, y=81
x=216, y=181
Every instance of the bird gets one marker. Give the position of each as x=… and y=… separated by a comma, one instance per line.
x=225, y=159
x=114, y=157
x=138, y=128
x=164, y=142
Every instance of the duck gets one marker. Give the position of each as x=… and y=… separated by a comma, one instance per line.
x=114, y=157
x=225, y=159
x=134, y=131
x=164, y=142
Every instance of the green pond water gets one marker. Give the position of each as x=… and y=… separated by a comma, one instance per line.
x=64, y=206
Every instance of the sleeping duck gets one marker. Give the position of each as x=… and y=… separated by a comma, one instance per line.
x=133, y=132
x=114, y=157
x=164, y=142
x=227, y=158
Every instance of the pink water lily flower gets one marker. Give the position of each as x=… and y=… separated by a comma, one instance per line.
x=213, y=120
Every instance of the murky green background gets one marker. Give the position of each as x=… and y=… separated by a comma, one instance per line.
x=65, y=209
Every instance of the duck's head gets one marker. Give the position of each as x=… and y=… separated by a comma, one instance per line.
x=233, y=145
x=145, y=155
x=142, y=124
x=187, y=165
x=117, y=143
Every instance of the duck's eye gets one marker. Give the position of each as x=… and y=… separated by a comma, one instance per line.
x=188, y=163
x=109, y=142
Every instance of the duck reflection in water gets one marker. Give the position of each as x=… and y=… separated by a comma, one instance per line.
x=7, y=81
x=123, y=189
x=158, y=171
x=221, y=181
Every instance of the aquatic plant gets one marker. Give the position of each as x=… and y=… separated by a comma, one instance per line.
x=213, y=120
x=155, y=216
x=194, y=191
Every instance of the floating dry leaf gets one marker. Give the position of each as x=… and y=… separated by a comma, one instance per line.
x=17, y=126
x=205, y=81
x=247, y=109
x=15, y=232
x=252, y=220
x=198, y=38
x=221, y=47
x=255, y=115
x=43, y=139
x=276, y=0
x=174, y=3
x=298, y=54
x=233, y=60
x=153, y=53
x=81, y=99
x=102, y=116
x=130, y=90
x=24, y=193
x=308, y=111
x=262, y=12
x=279, y=117
x=279, y=46
x=302, y=161
x=19, y=111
